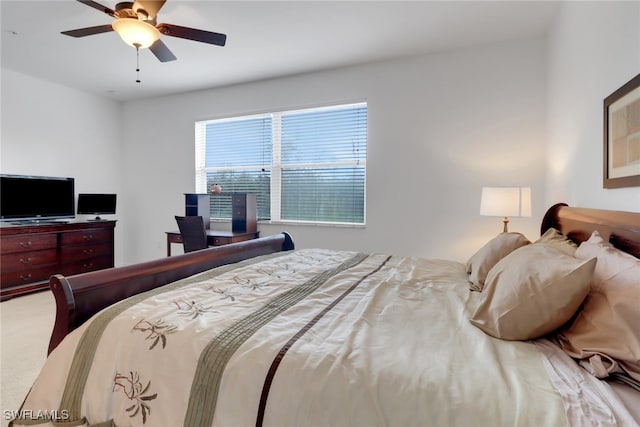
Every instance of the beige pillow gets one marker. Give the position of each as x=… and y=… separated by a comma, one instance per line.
x=531, y=292
x=606, y=333
x=487, y=256
x=554, y=238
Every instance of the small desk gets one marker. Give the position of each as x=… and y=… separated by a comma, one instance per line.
x=214, y=238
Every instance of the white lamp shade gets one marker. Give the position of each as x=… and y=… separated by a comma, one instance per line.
x=135, y=32
x=505, y=201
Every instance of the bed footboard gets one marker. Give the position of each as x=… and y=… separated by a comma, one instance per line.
x=81, y=296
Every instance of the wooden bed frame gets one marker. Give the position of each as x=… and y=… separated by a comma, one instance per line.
x=79, y=297
x=621, y=229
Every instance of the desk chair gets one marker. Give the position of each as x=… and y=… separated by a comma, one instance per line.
x=193, y=233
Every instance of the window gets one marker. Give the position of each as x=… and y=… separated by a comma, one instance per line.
x=304, y=165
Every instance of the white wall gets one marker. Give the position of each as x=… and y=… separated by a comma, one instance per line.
x=52, y=130
x=440, y=127
x=594, y=49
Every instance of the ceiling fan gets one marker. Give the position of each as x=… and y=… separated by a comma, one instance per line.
x=136, y=24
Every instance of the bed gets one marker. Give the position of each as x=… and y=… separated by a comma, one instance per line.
x=259, y=333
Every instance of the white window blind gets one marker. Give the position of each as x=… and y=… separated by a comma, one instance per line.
x=303, y=165
x=235, y=154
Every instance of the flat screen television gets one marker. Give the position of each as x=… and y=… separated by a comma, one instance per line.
x=26, y=198
x=96, y=204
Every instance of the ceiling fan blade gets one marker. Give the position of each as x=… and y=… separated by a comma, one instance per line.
x=98, y=6
x=89, y=31
x=161, y=51
x=192, y=34
x=151, y=7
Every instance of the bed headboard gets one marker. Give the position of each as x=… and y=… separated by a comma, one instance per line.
x=621, y=229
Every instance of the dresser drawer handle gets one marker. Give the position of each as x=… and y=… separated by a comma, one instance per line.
x=25, y=277
x=88, y=251
x=87, y=265
x=88, y=237
x=26, y=260
x=26, y=244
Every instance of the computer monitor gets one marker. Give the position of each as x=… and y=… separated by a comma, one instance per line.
x=96, y=204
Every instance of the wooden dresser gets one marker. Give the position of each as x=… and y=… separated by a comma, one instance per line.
x=30, y=254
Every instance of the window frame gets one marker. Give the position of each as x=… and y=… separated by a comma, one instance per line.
x=275, y=166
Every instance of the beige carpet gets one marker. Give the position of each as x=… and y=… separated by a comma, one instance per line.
x=25, y=325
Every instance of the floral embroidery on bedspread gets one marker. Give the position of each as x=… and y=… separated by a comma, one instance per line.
x=224, y=293
x=132, y=387
x=192, y=309
x=86, y=349
x=157, y=331
x=197, y=302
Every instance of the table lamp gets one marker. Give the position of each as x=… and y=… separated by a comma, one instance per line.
x=505, y=202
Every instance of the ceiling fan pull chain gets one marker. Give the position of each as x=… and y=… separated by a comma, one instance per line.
x=137, y=62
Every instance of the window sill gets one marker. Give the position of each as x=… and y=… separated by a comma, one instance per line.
x=314, y=224
x=299, y=223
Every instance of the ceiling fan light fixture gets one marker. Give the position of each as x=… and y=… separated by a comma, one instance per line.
x=136, y=33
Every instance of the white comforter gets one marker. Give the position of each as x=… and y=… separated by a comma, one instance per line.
x=305, y=338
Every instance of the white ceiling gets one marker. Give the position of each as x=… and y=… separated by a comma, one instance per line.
x=265, y=39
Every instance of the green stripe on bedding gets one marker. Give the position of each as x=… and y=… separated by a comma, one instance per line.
x=88, y=343
x=271, y=373
x=213, y=359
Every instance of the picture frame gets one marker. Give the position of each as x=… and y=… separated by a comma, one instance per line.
x=621, y=157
